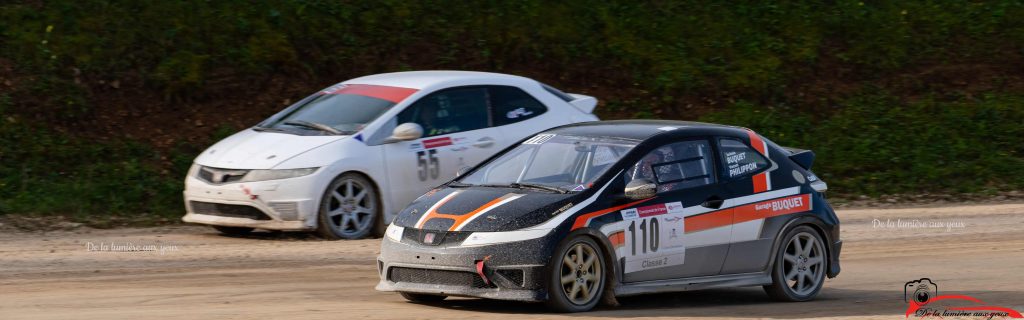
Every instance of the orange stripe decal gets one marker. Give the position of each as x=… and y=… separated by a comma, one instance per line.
x=749, y=212
x=459, y=219
x=584, y=220
x=617, y=239
x=761, y=183
x=710, y=220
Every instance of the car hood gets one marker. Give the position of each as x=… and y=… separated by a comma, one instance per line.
x=252, y=149
x=484, y=209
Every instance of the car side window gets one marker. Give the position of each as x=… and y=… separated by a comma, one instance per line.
x=740, y=159
x=448, y=111
x=511, y=105
x=676, y=166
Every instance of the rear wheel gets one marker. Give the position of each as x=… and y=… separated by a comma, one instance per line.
x=234, y=231
x=350, y=209
x=421, y=297
x=799, y=270
x=577, y=275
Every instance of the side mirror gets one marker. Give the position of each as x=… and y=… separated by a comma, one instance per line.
x=640, y=189
x=405, y=132
x=462, y=171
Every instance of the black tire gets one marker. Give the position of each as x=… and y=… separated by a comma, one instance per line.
x=809, y=267
x=332, y=223
x=422, y=297
x=234, y=231
x=589, y=279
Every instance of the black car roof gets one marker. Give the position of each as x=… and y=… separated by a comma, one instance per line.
x=644, y=129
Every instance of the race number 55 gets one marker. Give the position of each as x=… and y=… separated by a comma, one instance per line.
x=428, y=164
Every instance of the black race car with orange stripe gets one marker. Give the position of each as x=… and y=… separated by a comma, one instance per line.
x=603, y=209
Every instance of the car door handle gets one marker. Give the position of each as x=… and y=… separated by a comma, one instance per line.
x=484, y=142
x=713, y=202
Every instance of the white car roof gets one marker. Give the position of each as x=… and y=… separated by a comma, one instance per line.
x=430, y=79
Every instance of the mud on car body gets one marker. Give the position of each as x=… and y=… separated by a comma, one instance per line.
x=619, y=208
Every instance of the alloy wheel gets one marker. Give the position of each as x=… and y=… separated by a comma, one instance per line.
x=803, y=263
x=350, y=208
x=581, y=273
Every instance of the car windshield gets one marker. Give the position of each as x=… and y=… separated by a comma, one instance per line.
x=338, y=110
x=569, y=163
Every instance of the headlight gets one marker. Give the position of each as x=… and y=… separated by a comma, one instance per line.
x=274, y=174
x=193, y=171
x=394, y=232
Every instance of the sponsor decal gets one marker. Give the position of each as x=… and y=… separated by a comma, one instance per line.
x=922, y=297
x=629, y=214
x=539, y=139
x=659, y=209
x=518, y=112
x=457, y=143
x=438, y=142
x=744, y=213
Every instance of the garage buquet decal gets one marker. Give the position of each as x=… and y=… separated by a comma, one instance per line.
x=699, y=225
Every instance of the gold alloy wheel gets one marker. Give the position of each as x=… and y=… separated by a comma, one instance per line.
x=581, y=273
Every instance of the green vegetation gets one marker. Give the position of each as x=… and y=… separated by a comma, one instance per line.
x=895, y=97
x=877, y=144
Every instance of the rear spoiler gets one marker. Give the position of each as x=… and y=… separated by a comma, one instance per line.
x=582, y=102
x=805, y=158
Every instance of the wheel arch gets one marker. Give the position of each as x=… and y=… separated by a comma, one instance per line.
x=373, y=183
x=812, y=221
x=612, y=273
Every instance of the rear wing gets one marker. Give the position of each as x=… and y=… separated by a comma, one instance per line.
x=583, y=102
x=805, y=158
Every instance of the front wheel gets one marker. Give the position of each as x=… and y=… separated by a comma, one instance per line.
x=576, y=279
x=350, y=209
x=799, y=270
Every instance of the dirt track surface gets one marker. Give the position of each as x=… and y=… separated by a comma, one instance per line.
x=279, y=276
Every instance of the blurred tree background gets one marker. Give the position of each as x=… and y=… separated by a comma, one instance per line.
x=104, y=103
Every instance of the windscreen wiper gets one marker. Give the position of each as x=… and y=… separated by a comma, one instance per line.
x=267, y=129
x=537, y=186
x=313, y=125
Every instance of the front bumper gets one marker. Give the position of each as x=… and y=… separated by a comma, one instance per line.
x=511, y=271
x=285, y=204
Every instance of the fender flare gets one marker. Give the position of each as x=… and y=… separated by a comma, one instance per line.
x=808, y=219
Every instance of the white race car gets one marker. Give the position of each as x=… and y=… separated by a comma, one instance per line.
x=345, y=160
